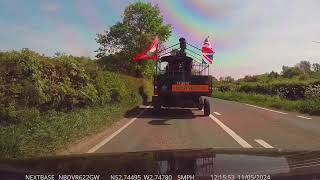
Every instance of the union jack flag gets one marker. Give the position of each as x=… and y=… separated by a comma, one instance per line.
x=207, y=52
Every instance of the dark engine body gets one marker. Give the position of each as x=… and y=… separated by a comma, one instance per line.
x=182, y=83
x=168, y=95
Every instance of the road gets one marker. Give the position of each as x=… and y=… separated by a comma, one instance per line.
x=230, y=125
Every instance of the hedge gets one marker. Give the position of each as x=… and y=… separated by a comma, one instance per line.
x=33, y=82
x=287, y=90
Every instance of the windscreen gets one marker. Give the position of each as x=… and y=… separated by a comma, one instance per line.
x=105, y=85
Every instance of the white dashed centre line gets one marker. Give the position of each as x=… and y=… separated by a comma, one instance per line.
x=216, y=113
x=105, y=141
x=266, y=109
x=235, y=136
x=263, y=143
x=304, y=117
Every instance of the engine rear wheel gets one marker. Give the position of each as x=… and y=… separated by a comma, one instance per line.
x=156, y=104
x=206, y=107
x=157, y=107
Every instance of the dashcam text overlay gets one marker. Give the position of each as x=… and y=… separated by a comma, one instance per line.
x=62, y=177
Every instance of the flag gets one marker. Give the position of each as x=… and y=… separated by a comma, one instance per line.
x=149, y=52
x=207, y=52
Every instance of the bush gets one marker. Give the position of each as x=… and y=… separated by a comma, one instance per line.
x=292, y=90
x=311, y=106
x=313, y=91
x=32, y=80
x=64, y=83
x=14, y=114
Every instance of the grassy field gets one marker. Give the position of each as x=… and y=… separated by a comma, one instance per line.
x=302, y=106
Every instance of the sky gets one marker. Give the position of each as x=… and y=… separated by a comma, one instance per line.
x=249, y=37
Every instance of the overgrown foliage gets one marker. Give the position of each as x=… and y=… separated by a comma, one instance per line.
x=31, y=83
x=300, y=83
x=288, y=90
x=293, y=83
x=46, y=103
x=141, y=22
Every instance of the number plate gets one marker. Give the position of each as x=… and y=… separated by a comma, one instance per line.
x=189, y=88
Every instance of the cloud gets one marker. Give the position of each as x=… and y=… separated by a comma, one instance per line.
x=49, y=7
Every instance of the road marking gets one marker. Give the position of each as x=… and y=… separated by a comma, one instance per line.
x=263, y=143
x=304, y=117
x=217, y=113
x=266, y=109
x=145, y=107
x=105, y=141
x=235, y=136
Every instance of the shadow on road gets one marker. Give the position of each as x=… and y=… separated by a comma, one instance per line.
x=161, y=117
x=159, y=122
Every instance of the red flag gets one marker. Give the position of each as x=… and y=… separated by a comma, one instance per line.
x=148, y=53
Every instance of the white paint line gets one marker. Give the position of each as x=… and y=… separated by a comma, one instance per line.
x=304, y=117
x=105, y=141
x=266, y=109
x=145, y=107
x=235, y=136
x=216, y=113
x=263, y=143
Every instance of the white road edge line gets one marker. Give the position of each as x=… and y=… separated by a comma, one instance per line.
x=235, y=136
x=216, y=113
x=146, y=107
x=105, y=141
x=266, y=109
x=263, y=143
x=304, y=117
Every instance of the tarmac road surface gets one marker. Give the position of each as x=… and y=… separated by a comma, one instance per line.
x=230, y=125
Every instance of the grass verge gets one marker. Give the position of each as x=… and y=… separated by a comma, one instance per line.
x=53, y=131
x=45, y=133
x=311, y=107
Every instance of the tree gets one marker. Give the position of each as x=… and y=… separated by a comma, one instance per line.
x=249, y=78
x=273, y=74
x=214, y=79
x=304, y=66
x=59, y=54
x=226, y=79
x=316, y=67
x=289, y=72
x=140, y=24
